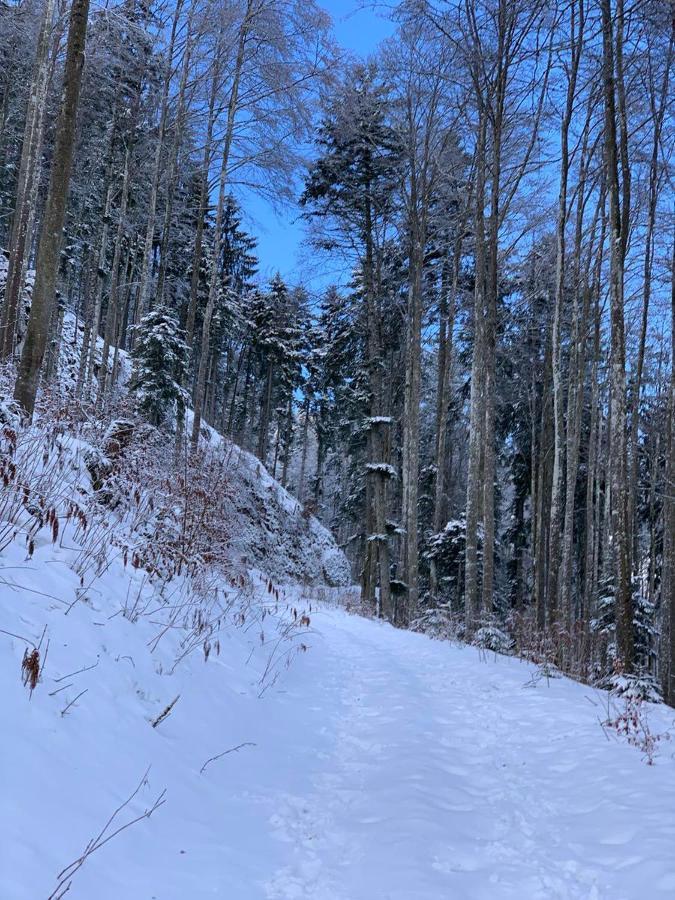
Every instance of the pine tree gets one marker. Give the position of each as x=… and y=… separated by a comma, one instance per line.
x=351, y=189
x=159, y=356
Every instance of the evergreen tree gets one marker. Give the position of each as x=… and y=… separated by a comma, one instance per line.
x=159, y=356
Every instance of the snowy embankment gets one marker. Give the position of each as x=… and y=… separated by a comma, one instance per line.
x=267, y=527
x=124, y=579
x=126, y=607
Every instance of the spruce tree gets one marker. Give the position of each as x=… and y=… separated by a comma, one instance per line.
x=159, y=356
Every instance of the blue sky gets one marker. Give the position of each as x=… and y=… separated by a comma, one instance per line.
x=358, y=29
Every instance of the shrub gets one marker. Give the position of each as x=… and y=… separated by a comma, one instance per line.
x=489, y=637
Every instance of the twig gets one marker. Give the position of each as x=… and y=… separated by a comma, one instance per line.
x=65, y=710
x=85, y=669
x=65, y=875
x=165, y=712
x=225, y=752
x=18, y=637
x=22, y=587
x=42, y=637
x=44, y=658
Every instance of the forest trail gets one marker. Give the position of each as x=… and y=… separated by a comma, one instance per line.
x=433, y=772
x=378, y=765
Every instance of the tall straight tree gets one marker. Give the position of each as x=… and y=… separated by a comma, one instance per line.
x=420, y=73
x=232, y=108
x=351, y=188
x=144, y=284
x=575, y=36
x=616, y=150
x=47, y=262
x=507, y=49
x=28, y=180
x=669, y=508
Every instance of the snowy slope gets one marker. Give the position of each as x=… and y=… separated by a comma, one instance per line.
x=271, y=532
x=379, y=765
x=267, y=525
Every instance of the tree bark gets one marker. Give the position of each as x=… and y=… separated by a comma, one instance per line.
x=576, y=44
x=669, y=507
x=473, y=601
x=232, y=107
x=47, y=264
x=657, y=107
x=142, y=298
x=619, y=209
x=28, y=180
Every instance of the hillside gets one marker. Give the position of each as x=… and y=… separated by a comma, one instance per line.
x=124, y=579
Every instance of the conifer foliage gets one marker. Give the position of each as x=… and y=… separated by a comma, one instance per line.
x=159, y=365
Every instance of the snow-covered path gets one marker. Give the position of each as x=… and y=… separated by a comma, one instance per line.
x=445, y=777
x=381, y=765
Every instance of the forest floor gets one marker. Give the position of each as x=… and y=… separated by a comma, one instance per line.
x=378, y=765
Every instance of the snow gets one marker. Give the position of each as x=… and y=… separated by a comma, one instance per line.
x=69, y=356
x=382, y=468
x=379, y=764
x=270, y=530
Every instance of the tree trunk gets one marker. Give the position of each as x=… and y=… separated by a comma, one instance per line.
x=28, y=180
x=448, y=304
x=173, y=160
x=542, y=510
x=113, y=311
x=657, y=109
x=303, y=456
x=411, y=413
x=619, y=209
x=47, y=264
x=592, y=488
x=203, y=200
x=669, y=507
x=265, y=413
x=575, y=405
x=218, y=227
x=472, y=599
x=576, y=45
x=142, y=300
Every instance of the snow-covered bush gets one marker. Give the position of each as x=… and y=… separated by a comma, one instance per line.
x=439, y=622
x=336, y=569
x=446, y=550
x=641, y=687
x=489, y=637
x=645, y=628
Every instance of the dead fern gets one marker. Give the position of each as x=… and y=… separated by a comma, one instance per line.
x=30, y=668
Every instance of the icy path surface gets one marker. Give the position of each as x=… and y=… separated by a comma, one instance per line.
x=435, y=775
